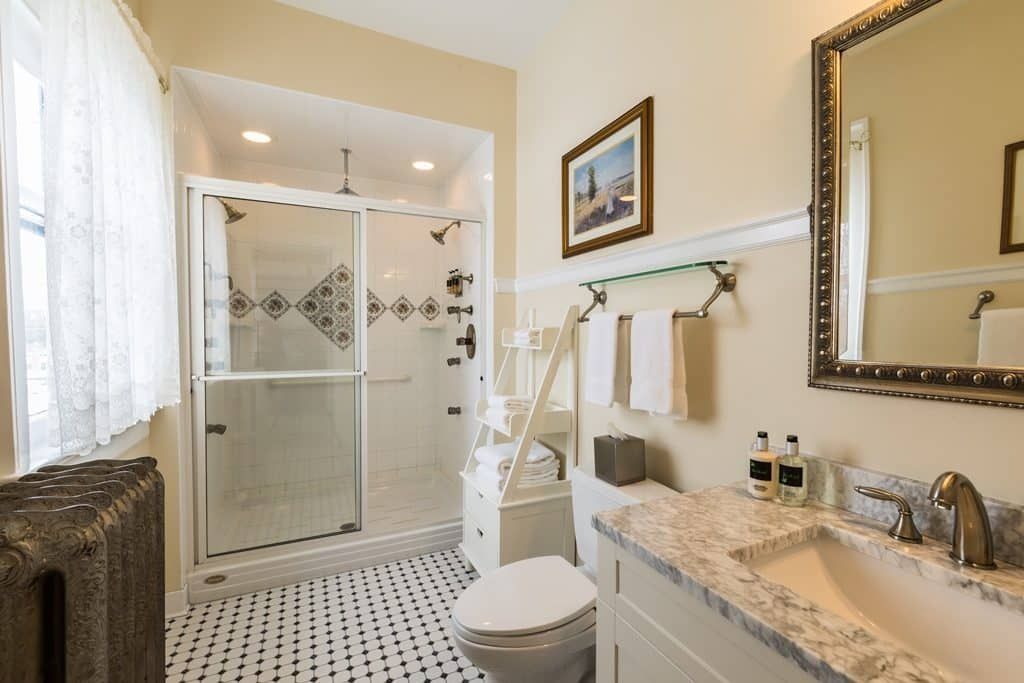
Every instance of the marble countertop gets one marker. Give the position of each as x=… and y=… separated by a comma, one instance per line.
x=698, y=541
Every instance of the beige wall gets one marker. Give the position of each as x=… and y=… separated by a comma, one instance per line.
x=731, y=82
x=267, y=42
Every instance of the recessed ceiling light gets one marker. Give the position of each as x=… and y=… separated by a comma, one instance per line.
x=628, y=197
x=256, y=136
x=423, y=165
x=400, y=200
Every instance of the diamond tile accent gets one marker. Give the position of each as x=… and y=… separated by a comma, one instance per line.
x=374, y=307
x=240, y=303
x=387, y=623
x=402, y=308
x=430, y=309
x=329, y=306
x=275, y=305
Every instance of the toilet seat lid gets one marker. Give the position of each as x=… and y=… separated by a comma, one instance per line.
x=525, y=597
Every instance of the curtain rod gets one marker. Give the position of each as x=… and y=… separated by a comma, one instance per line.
x=144, y=43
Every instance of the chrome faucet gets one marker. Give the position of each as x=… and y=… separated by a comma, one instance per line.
x=972, y=534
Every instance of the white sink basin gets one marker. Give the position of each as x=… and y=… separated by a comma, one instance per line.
x=966, y=637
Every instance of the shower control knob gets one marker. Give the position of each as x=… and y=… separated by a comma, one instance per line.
x=454, y=410
x=453, y=361
x=462, y=341
x=216, y=428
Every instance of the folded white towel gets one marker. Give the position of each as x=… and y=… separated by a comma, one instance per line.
x=516, y=404
x=607, y=369
x=489, y=477
x=658, y=364
x=1001, y=339
x=499, y=457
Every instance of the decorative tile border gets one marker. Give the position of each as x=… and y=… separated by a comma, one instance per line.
x=330, y=306
x=832, y=483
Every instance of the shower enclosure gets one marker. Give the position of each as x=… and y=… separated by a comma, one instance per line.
x=328, y=381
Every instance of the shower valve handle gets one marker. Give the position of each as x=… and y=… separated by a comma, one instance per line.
x=454, y=410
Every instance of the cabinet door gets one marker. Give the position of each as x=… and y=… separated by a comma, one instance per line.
x=628, y=658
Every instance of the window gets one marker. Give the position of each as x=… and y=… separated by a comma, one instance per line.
x=27, y=257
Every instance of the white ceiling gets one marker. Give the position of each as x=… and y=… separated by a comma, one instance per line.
x=309, y=130
x=501, y=32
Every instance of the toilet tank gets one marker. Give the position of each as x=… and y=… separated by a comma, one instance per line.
x=591, y=495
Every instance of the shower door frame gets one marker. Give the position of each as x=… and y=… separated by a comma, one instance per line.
x=194, y=188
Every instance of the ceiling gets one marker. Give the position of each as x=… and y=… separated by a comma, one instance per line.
x=308, y=131
x=495, y=31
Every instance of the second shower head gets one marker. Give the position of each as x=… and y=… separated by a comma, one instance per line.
x=438, y=235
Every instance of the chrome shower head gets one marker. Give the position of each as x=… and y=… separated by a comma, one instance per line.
x=234, y=215
x=438, y=235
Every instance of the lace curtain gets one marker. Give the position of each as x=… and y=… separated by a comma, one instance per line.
x=109, y=227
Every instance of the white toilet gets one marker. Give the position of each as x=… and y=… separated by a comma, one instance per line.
x=536, y=619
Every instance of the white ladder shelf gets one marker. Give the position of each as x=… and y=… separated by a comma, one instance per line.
x=518, y=522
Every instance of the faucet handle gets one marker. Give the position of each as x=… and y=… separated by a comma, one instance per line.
x=903, y=529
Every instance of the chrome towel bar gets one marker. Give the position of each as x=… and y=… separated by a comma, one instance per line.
x=724, y=282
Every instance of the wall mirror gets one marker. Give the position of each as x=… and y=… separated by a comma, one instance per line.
x=917, y=287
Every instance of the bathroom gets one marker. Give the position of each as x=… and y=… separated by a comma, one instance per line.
x=908, y=367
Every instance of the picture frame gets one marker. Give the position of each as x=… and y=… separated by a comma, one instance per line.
x=607, y=184
x=1012, y=235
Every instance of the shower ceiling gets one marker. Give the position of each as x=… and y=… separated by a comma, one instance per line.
x=308, y=130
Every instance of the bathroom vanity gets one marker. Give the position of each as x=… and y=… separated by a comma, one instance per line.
x=714, y=585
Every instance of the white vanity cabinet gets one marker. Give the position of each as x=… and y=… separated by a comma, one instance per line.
x=650, y=630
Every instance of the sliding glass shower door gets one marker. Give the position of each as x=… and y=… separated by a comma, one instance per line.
x=278, y=404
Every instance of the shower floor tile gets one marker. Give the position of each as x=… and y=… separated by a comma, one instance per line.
x=298, y=511
x=381, y=624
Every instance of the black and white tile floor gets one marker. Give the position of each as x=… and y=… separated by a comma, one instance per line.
x=382, y=624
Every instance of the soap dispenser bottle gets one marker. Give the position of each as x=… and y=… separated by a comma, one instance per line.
x=762, y=481
x=793, y=474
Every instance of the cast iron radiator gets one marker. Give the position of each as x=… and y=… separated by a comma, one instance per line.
x=82, y=573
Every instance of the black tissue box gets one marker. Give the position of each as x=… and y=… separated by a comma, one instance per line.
x=619, y=461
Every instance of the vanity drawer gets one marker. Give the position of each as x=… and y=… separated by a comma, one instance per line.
x=477, y=506
x=480, y=543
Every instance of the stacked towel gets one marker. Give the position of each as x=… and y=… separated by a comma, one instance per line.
x=658, y=365
x=494, y=463
x=514, y=404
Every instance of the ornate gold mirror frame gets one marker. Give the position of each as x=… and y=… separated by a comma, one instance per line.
x=963, y=384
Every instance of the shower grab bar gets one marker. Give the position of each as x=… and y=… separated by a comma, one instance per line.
x=337, y=380
x=277, y=375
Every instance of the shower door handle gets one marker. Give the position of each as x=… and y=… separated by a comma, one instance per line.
x=218, y=429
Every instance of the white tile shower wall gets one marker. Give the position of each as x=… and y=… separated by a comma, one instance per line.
x=406, y=345
x=470, y=188
x=462, y=384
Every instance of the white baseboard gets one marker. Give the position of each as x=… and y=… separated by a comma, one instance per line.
x=176, y=603
x=287, y=567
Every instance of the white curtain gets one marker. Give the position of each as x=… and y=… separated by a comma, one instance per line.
x=109, y=227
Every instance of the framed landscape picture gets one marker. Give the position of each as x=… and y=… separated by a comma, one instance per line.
x=607, y=184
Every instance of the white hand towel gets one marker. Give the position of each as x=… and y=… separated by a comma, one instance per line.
x=488, y=477
x=1001, y=339
x=602, y=354
x=658, y=364
x=498, y=417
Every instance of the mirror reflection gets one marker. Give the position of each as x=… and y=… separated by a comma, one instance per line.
x=931, y=110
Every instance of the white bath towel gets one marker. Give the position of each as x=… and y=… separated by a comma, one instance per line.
x=499, y=457
x=1001, y=339
x=607, y=365
x=658, y=364
x=498, y=417
x=515, y=404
